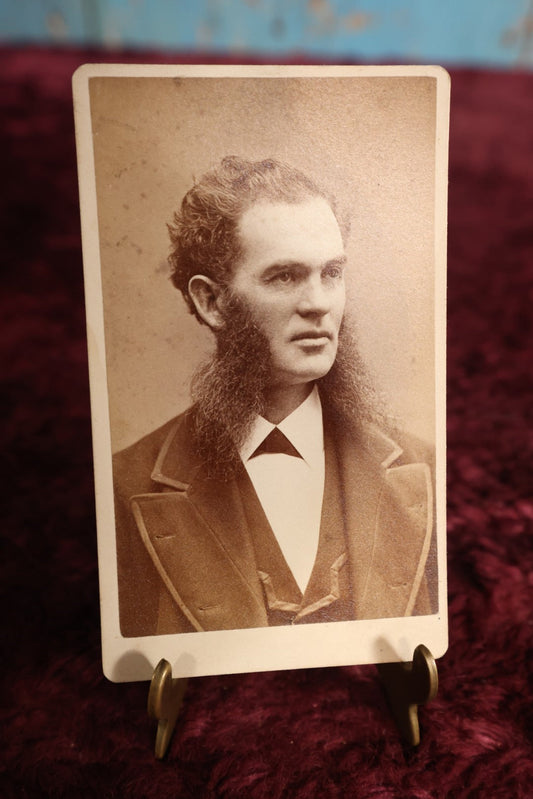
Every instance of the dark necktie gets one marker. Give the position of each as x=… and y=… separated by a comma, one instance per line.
x=276, y=442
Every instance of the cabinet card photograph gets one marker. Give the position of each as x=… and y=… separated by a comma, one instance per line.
x=265, y=256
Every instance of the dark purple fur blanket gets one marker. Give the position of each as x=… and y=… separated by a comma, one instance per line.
x=67, y=731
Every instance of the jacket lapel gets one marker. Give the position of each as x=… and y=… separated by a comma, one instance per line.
x=195, y=531
x=388, y=512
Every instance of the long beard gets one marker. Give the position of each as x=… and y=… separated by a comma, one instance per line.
x=229, y=390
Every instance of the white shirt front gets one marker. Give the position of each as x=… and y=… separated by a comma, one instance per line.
x=291, y=489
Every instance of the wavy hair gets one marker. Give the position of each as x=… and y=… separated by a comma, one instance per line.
x=203, y=232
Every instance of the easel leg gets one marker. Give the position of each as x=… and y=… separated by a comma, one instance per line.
x=165, y=698
x=408, y=685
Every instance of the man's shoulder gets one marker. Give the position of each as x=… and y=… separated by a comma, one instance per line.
x=415, y=450
x=407, y=465
x=133, y=466
x=389, y=447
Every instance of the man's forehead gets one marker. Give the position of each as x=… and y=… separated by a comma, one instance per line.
x=291, y=230
x=268, y=210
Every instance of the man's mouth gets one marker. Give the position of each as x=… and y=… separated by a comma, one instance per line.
x=312, y=335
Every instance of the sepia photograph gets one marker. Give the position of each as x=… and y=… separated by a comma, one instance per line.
x=265, y=273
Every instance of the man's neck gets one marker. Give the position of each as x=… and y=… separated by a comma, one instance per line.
x=282, y=401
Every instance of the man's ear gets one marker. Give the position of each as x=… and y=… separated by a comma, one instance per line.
x=205, y=294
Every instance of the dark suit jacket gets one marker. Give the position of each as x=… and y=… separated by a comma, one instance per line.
x=185, y=554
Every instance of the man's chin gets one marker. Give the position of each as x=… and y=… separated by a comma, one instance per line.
x=304, y=375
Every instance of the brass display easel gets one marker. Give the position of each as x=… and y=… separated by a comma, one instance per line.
x=407, y=685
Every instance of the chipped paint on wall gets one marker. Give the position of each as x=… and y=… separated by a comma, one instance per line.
x=499, y=32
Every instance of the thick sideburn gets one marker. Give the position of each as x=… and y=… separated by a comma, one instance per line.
x=228, y=391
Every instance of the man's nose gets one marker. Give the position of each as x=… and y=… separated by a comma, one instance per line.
x=314, y=299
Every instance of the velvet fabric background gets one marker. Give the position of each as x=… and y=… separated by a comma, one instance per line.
x=67, y=731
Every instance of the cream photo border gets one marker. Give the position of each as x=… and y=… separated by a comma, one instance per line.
x=377, y=138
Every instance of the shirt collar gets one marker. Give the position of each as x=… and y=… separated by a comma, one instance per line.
x=303, y=427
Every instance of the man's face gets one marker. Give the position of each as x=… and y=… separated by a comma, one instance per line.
x=291, y=278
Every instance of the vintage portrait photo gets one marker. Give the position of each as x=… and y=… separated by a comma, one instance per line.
x=264, y=257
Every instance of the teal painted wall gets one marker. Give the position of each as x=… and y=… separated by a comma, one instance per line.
x=485, y=32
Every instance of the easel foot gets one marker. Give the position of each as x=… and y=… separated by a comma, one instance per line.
x=408, y=685
x=165, y=698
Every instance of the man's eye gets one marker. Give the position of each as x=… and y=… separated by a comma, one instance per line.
x=284, y=278
x=334, y=272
